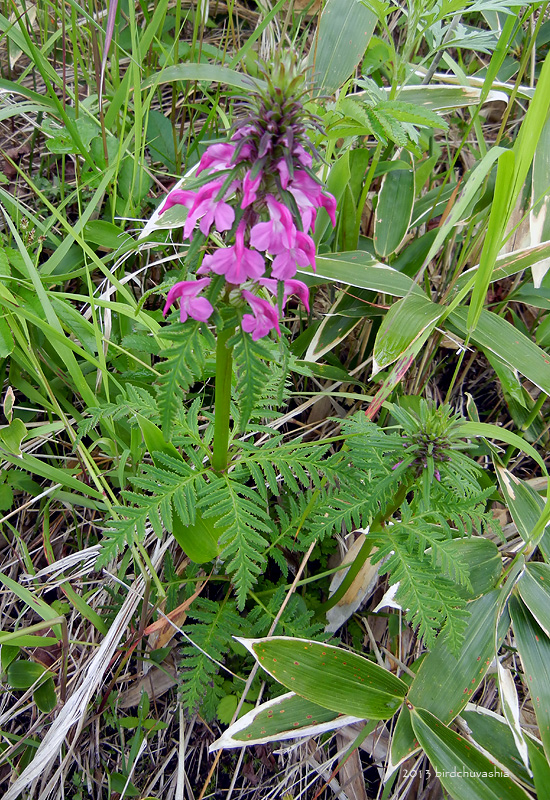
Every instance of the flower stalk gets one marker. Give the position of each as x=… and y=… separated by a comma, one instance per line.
x=222, y=400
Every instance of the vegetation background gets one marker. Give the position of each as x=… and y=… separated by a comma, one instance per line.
x=433, y=286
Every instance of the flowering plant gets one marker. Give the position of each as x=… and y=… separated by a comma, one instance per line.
x=260, y=192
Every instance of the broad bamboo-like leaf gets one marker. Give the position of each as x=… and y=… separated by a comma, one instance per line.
x=514, y=348
x=439, y=97
x=490, y=431
x=394, y=210
x=534, y=650
x=534, y=590
x=408, y=322
x=484, y=562
x=539, y=217
x=211, y=73
x=329, y=676
x=492, y=733
x=361, y=269
x=445, y=681
x=394, y=378
x=510, y=706
x=404, y=743
x=344, y=32
x=510, y=263
x=464, y=772
x=286, y=717
x=525, y=505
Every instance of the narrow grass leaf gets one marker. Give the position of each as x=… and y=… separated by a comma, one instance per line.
x=498, y=220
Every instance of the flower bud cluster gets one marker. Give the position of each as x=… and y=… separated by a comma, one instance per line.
x=261, y=194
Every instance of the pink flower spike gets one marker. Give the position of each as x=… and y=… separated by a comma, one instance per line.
x=250, y=185
x=237, y=263
x=198, y=308
x=263, y=318
x=216, y=157
x=178, y=197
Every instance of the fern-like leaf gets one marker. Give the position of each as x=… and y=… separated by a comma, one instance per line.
x=191, y=342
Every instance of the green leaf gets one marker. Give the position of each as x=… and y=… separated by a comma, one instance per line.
x=160, y=139
x=493, y=734
x=500, y=337
x=23, y=674
x=45, y=697
x=212, y=73
x=6, y=339
x=343, y=35
x=534, y=590
x=394, y=210
x=107, y=234
x=46, y=470
x=329, y=676
x=408, y=322
x=498, y=219
x=524, y=504
x=199, y=540
x=403, y=743
x=445, y=682
x=358, y=268
x=484, y=562
x=12, y=435
x=534, y=650
x=539, y=217
x=490, y=431
x=38, y=605
x=463, y=771
x=282, y=718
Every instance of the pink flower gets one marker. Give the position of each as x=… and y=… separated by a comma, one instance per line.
x=209, y=211
x=217, y=156
x=300, y=254
x=237, y=263
x=290, y=287
x=178, y=197
x=309, y=197
x=278, y=234
x=263, y=318
x=198, y=308
x=250, y=186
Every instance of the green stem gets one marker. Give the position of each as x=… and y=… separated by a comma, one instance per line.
x=222, y=400
x=376, y=525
